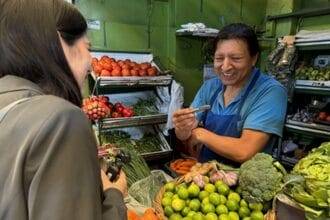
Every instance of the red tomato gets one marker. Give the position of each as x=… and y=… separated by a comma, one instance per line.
x=152, y=71
x=125, y=72
x=134, y=72
x=116, y=71
x=142, y=72
x=97, y=69
x=105, y=72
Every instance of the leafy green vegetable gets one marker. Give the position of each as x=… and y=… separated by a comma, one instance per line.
x=261, y=178
x=313, y=194
x=145, y=107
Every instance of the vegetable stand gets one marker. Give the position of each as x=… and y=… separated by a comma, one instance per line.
x=140, y=94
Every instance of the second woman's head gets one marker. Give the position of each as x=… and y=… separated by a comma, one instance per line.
x=45, y=42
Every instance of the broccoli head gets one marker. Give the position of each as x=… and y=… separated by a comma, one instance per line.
x=260, y=178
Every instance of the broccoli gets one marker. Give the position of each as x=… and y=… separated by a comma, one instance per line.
x=260, y=178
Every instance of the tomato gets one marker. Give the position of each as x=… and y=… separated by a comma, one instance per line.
x=126, y=72
x=97, y=69
x=94, y=60
x=134, y=72
x=116, y=71
x=152, y=71
x=105, y=72
x=323, y=116
x=142, y=72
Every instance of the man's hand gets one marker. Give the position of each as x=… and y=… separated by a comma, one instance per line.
x=120, y=183
x=184, y=121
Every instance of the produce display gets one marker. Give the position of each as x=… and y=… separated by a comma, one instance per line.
x=182, y=166
x=312, y=193
x=108, y=66
x=261, y=178
x=203, y=194
x=312, y=73
x=302, y=115
x=148, y=143
x=145, y=107
x=323, y=117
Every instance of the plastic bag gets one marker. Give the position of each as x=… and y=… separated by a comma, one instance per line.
x=142, y=193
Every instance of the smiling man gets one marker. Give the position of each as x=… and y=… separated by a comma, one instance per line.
x=247, y=107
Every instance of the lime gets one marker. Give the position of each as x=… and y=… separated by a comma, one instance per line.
x=232, y=205
x=209, y=188
x=234, y=196
x=183, y=193
x=256, y=206
x=224, y=217
x=194, y=205
x=168, y=194
x=178, y=204
x=223, y=199
x=246, y=218
x=175, y=216
x=206, y=179
x=166, y=201
x=206, y=200
x=221, y=209
x=197, y=216
x=187, y=202
x=233, y=216
x=211, y=216
x=191, y=213
x=257, y=215
x=182, y=185
x=244, y=212
x=168, y=211
x=215, y=199
x=187, y=218
x=193, y=190
x=223, y=189
x=243, y=203
x=175, y=196
x=185, y=211
x=218, y=183
x=169, y=186
x=203, y=194
x=207, y=208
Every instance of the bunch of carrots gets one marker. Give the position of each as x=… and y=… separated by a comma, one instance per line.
x=182, y=166
x=149, y=214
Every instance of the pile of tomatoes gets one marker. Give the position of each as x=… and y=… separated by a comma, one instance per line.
x=106, y=66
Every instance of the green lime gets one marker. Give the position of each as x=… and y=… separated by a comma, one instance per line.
x=215, y=199
x=233, y=216
x=232, y=205
x=168, y=211
x=218, y=183
x=223, y=189
x=203, y=194
x=191, y=213
x=257, y=215
x=187, y=218
x=221, y=209
x=194, y=205
x=206, y=179
x=168, y=194
x=224, y=217
x=234, y=196
x=175, y=196
x=193, y=190
x=178, y=204
x=244, y=212
x=243, y=203
x=183, y=193
x=198, y=216
x=166, y=201
x=175, y=216
x=223, y=199
x=211, y=216
x=182, y=185
x=209, y=188
x=187, y=202
x=206, y=200
x=185, y=211
x=246, y=218
x=207, y=208
x=256, y=206
x=169, y=187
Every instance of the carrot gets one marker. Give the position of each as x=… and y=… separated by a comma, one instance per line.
x=131, y=215
x=149, y=214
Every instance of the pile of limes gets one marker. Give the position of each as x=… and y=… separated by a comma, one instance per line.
x=213, y=202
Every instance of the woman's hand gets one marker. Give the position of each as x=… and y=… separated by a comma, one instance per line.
x=120, y=183
x=184, y=121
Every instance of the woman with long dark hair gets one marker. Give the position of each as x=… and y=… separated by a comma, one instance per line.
x=48, y=166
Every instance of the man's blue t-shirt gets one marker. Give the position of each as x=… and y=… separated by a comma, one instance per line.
x=264, y=108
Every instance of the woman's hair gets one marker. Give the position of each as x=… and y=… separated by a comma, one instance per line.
x=30, y=46
x=242, y=32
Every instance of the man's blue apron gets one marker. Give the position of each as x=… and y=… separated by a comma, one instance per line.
x=226, y=125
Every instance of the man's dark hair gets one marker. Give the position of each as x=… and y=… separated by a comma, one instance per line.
x=242, y=32
x=30, y=46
